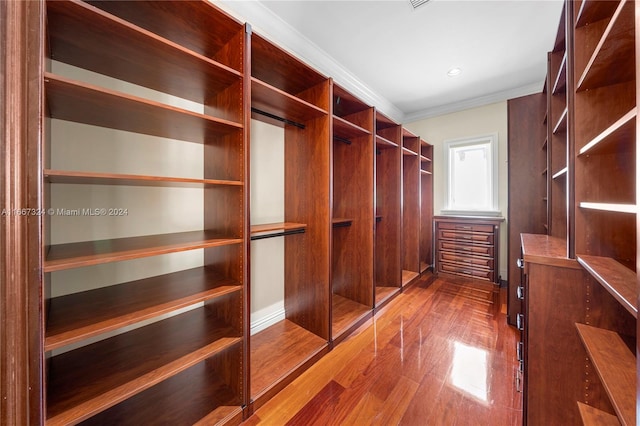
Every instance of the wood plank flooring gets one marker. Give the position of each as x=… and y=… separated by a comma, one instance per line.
x=441, y=353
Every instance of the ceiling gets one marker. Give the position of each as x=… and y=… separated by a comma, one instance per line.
x=397, y=57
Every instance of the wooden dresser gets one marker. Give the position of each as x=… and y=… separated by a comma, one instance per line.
x=468, y=246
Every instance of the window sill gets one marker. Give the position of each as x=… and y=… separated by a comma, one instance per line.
x=471, y=213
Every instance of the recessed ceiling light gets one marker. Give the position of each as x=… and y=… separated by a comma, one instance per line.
x=455, y=71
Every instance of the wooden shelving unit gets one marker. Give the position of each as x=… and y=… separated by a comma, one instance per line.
x=426, y=206
x=528, y=197
x=605, y=96
x=558, y=146
x=616, y=367
x=352, y=256
x=295, y=97
x=410, y=207
x=185, y=326
x=388, y=190
x=597, y=229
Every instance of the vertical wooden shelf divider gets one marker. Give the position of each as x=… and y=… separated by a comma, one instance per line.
x=388, y=210
x=353, y=191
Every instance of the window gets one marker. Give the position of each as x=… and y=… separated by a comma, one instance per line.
x=471, y=172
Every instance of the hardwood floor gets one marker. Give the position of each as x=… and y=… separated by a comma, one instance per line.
x=441, y=353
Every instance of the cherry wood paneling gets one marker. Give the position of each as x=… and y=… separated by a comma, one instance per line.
x=527, y=198
x=21, y=354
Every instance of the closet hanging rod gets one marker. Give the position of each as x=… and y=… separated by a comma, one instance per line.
x=277, y=234
x=343, y=140
x=275, y=117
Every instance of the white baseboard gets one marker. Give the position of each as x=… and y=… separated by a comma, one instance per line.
x=266, y=317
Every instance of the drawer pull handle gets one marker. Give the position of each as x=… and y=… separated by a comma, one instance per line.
x=520, y=292
x=520, y=263
x=463, y=227
x=519, y=349
x=467, y=237
x=518, y=381
x=520, y=322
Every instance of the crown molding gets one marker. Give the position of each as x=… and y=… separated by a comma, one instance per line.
x=475, y=102
x=271, y=26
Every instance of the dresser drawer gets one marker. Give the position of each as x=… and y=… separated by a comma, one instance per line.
x=476, y=237
x=482, y=274
x=483, y=262
x=466, y=248
x=466, y=227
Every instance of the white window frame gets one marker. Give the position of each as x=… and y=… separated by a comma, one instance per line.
x=492, y=138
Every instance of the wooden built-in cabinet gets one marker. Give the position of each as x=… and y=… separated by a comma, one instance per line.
x=294, y=96
x=137, y=147
x=94, y=368
x=468, y=246
x=411, y=161
x=426, y=206
x=588, y=262
x=352, y=212
x=388, y=208
x=527, y=173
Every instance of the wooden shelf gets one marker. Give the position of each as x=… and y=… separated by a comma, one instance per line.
x=560, y=173
x=609, y=207
x=593, y=417
x=199, y=26
x=347, y=130
x=84, y=103
x=279, y=351
x=281, y=104
x=618, y=280
x=617, y=138
x=341, y=222
x=425, y=172
x=276, y=229
x=407, y=151
x=385, y=143
x=425, y=159
x=345, y=313
x=616, y=367
x=91, y=379
x=82, y=315
x=561, y=125
x=408, y=276
x=384, y=293
x=546, y=250
x=280, y=70
x=612, y=61
x=124, y=51
x=198, y=394
x=92, y=178
x=594, y=10
x=560, y=85
x=423, y=267
x=76, y=255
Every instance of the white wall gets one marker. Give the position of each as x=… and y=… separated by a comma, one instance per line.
x=267, y=206
x=472, y=122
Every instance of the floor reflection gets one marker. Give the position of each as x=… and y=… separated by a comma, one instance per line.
x=469, y=370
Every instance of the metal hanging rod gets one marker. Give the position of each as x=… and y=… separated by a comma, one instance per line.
x=277, y=234
x=343, y=140
x=275, y=117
